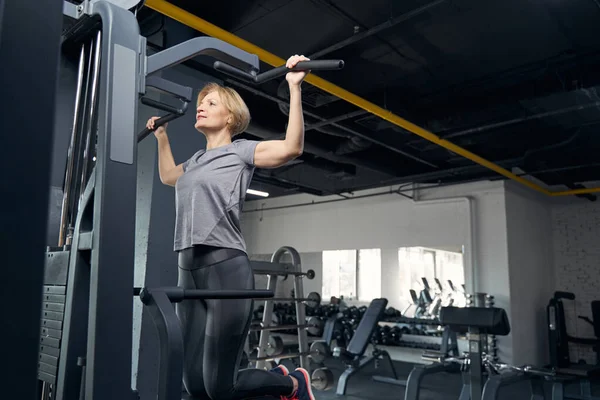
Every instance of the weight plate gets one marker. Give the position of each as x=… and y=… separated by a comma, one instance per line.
x=313, y=300
x=319, y=351
x=274, y=346
x=310, y=274
x=315, y=326
x=322, y=379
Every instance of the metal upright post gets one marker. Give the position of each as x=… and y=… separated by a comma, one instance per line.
x=303, y=347
x=104, y=273
x=475, y=364
x=267, y=320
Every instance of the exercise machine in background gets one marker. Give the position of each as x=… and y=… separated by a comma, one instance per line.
x=484, y=375
x=87, y=318
x=562, y=373
x=559, y=339
x=477, y=322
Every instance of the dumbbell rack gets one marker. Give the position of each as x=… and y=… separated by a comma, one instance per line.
x=485, y=300
x=275, y=269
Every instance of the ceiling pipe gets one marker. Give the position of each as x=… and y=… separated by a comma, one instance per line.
x=333, y=120
x=513, y=121
x=195, y=22
x=551, y=147
x=386, y=25
x=329, y=4
x=264, y=133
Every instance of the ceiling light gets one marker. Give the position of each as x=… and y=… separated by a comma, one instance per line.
x=257, y=193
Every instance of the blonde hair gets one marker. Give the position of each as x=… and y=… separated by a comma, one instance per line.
x=234, y=104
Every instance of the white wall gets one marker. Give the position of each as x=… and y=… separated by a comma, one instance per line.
x=529, y=234
x=391, y=221
x=576, y=239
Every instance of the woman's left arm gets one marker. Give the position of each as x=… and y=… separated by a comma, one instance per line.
x=275, y=153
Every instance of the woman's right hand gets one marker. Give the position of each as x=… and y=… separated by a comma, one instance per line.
x=160, y=131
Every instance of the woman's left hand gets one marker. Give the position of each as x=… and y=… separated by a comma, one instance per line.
x=295, y=77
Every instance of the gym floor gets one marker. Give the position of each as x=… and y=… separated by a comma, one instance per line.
x=443, y=386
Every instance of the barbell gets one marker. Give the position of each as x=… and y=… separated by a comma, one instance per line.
x=313, y=300
x=310, y=274
x=319, y=351
x=313, y=325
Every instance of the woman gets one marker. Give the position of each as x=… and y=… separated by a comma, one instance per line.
x=209, y=191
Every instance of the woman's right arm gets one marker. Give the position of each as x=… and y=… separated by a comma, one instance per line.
x=167, y=170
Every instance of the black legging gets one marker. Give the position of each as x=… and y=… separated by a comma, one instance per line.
x=215, y=331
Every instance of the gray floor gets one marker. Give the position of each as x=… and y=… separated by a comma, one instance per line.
x=442, y=386
x=362, y=387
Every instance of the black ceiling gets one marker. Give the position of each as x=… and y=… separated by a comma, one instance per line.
x=515, y=82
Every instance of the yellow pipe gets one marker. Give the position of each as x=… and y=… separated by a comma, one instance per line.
x=576, y=192
x=207, y=28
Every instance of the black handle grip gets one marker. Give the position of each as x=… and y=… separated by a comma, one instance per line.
x=233, y=71
x=165, y=107
x=174, y=114
x=313, y=65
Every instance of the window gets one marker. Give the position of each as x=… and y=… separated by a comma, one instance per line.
x=369, y=274
x=416, y=263
x=348, y=272
x=450, y=267
x=339, y=274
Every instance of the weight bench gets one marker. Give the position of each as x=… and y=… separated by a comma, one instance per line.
x=477, y=322
x=353, y=355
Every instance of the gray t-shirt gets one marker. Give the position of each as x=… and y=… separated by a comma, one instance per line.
x=210, y=194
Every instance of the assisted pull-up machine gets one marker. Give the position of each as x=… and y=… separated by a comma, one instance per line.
x=87, y=318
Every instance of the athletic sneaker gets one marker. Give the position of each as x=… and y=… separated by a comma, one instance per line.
x=304, y=391
x=281, y=370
